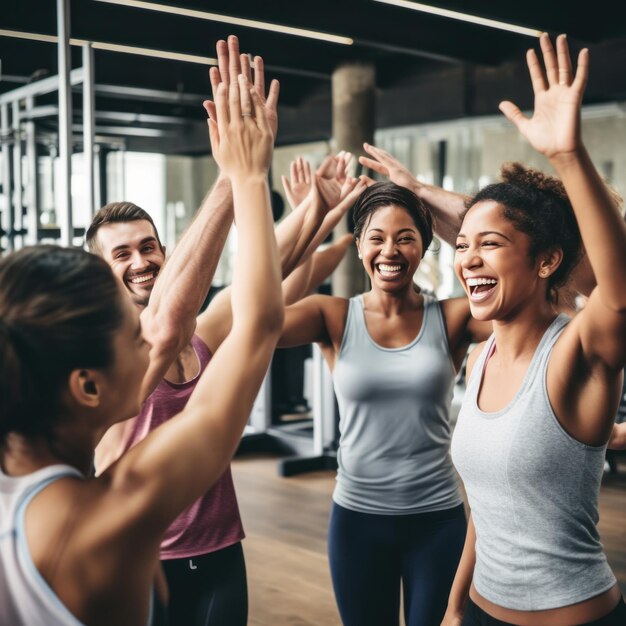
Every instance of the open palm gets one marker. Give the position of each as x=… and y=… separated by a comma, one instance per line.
x=554, y=127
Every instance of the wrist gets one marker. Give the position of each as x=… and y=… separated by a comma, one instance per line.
x=247, y=179
x=564, y=160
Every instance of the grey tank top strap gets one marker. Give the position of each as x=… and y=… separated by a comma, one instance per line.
x=394, y=424
x=533, y=491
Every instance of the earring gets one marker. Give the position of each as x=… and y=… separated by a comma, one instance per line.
x=359, y=255
x=543, y=273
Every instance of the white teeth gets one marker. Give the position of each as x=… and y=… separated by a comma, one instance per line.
x=474, y=282
x=141, y=279
x=389, y=268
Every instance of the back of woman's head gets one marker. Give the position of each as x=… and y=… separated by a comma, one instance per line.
x=538, y=206
x=384, y=194
x=59, y=310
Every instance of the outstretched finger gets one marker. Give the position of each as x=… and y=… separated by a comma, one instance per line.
x=214, y=77
x=366, y=180
x=536, y=73
x=553, y=68
x=565, y=63
x=514, y=115
x=307, y=173
x=259, y=76
x=582, y=71
x=234, y=67
x=374, y=165
x=379, y=153
x=209, y=107
x=293, y=171
x=287, y=187
x=244, y=95
x=222, y=60
x=234, y=101
x=246, y=70
x=221, y=105
x=259, y=111
x=214, y=136
x=300, y=169
x=272, y=96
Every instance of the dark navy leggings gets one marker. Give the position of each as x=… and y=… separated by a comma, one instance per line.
x=475, y=616
x=372, y=555
x=208, y=590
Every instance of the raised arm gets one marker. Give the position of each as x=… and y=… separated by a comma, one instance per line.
x=313, y=272
x=180, y=460
x=554, y=130
x=598, y=332
x=445, y=206
x=296, y=235
x=184, y=281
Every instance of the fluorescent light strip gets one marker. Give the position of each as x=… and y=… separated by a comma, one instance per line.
x=236, y=21
x=114, y=47
x=464, y=17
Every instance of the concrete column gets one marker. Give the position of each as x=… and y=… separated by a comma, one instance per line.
x=353, y=86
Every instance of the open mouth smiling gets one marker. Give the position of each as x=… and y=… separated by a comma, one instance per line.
x=389, y=270
x=480, y=288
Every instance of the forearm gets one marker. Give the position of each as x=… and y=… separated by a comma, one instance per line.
x=293, y=235
x=256, y=290
x=296, y=285
x=464, y=573
x=446, y=207
x=601, y=225
x=186, y=277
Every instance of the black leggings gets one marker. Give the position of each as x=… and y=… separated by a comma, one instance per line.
x=475, y=616
x=208, y=590
x=372, y=555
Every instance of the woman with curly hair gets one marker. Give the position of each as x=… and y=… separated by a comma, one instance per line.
x=543, y=389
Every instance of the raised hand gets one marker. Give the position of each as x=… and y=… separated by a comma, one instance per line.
x=331, y=179
x=299, y=183
x=387, y=165
x=241, y=139
x=554, y=128
x=231, y=63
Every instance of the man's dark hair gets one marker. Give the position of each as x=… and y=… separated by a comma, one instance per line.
x=114, y=213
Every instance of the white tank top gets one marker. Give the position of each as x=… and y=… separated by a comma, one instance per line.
x=25, y=597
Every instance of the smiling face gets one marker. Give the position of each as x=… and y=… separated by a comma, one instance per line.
x=391, y=247
x=494, y=264
x=134, y=254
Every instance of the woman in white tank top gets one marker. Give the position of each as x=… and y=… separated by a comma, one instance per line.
x=75, y=549
x=521, y=236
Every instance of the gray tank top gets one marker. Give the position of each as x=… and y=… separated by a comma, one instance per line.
x=394, y=449
x=533, y=491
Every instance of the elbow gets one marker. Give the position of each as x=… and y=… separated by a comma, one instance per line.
x=269, y=323
x=275, y=319
x=171, y=339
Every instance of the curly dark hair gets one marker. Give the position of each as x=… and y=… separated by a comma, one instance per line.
x=537, y=205
x=384, y=194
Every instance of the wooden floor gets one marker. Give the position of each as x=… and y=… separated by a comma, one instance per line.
x=285, y=521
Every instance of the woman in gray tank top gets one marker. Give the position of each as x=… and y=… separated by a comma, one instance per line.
x=543, y=391
x=397, y=518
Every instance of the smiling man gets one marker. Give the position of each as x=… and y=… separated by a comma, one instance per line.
x=126, y=237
